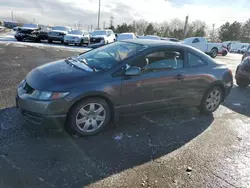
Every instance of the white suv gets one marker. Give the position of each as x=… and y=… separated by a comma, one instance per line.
x=102, y=37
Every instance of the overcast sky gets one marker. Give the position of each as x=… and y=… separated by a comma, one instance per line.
x=85, y=11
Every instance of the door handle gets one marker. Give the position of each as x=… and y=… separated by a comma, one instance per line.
x=179, y=77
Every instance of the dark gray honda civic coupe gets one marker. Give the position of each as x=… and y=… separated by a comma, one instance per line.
x=86, y=92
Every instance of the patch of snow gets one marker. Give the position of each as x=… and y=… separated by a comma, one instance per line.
x=236, y=104
x=118, y=137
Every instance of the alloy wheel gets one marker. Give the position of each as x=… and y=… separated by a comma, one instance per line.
x=213, y=100
x=90, y=117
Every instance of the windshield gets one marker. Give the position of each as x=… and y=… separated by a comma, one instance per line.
x=125, y=36
x=30, y=25
x=76, y=32
x=105, y=57
x=99, y=33
x=60, y=28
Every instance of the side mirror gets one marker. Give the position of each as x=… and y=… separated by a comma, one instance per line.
x=133, y=71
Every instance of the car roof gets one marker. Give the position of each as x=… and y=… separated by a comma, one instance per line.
x=126, y=33
x=151, y=42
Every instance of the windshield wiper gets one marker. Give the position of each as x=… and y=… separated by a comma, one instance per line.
x=82, y=61
x=85, y=62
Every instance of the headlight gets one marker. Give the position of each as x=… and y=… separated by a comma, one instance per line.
x=22, y=84
x=45, y=95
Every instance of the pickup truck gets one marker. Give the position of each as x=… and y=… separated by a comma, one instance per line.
x=212, y=49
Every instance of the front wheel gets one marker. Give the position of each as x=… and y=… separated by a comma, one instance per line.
x=19, y=39
x=211, y=100
x=214, y=53
x=89, y=116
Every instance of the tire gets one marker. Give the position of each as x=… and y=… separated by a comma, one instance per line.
x=19, y=39
x=81, y=43
x=215, y=95
x=49, y=41
x=38, y=40
x=224, y=53
x=214, y=52
x=66, y=44
x=242, y=84
x=82, y=112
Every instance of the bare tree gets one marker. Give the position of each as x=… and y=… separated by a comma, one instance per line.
x=140, y=27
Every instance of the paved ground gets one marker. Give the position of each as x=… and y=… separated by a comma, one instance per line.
x=150, y=150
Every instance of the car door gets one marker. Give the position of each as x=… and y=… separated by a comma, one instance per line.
x=196, y=79
x=198, y=43
x=160, y=84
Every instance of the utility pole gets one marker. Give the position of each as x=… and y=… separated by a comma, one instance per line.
x=91, y=27
x=111, y=21
x=213, y=37
x=98, y=24
x=104, y=23
x=185, y=27
x=12, y=16
x=34, y=20
x=88, y=28
x=134, y=26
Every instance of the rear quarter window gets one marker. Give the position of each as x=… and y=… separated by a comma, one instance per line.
x=195, y=61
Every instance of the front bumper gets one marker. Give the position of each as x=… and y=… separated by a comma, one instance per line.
x=72, y=41
x=96, y=45
x=26, y=36
x=41, y=112
x=55, y=38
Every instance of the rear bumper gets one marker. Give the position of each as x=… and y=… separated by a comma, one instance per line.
x=242, y=77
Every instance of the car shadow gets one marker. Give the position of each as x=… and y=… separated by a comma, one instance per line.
x=239, y=100
x=62, y=160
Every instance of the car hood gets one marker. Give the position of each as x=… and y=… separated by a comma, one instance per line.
x=98, y=36
x=72, y=35
x=59, y=31
x=56, y=76
x=28, y=28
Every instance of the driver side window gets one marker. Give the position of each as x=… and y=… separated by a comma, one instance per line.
x=163, y=60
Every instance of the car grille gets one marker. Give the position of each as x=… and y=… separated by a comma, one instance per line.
x=27, y=88
x=55, y=33
x=25, y=31
x=95, y=40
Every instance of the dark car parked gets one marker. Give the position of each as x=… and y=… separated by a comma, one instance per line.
x=95, y=87
x=246, y=53
x=242, y=74
x=28, y=32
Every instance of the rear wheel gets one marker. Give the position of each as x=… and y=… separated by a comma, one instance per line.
x=49, y=41
x=89, y=116
x=211, y=100
x=242, y=84
x=214, y=52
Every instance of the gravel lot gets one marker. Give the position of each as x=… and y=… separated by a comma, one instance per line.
x=175, y=148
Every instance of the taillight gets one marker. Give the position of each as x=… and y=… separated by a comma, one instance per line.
x=230, y=71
